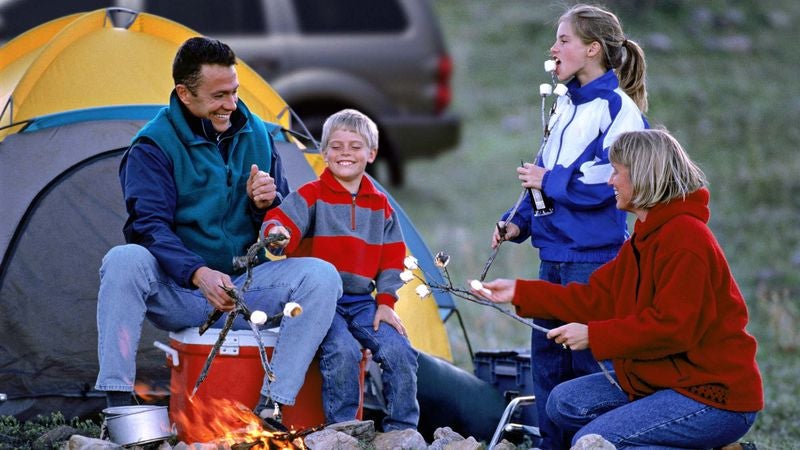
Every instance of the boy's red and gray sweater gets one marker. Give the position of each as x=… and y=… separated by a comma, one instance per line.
x=358, y=233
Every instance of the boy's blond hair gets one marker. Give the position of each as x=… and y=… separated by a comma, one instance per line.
x=351, y=120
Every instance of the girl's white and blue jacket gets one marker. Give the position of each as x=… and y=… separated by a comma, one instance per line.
x=585, y=226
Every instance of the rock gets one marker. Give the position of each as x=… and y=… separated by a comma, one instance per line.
x=363, y=430
x=593, y=442
x=400, y=440
x=442, y=437
x=465, y=444
x=330, y=438
x=78, y=442
x=504, y=445
x=54, y=436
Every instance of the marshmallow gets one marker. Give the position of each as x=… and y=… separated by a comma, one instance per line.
x=410, y=263
x=292, y=309
x=406, y=276
x=478, y=286
x=258, y=317
x=560, y=90
x=423, y=291
x=545, y=89
x=549, y=65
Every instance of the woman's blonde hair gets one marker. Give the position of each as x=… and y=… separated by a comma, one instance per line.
x=350, y=120
x=595, y=24
x=660, y=169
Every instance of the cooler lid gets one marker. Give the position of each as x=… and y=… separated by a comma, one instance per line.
x=242, y=338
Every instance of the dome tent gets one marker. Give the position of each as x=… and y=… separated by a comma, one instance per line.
x=73, y=92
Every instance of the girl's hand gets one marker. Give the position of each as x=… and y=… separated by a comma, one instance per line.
x=531, y=175
x=387, y=314
x=512, y=231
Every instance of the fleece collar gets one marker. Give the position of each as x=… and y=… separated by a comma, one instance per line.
x=695, y=205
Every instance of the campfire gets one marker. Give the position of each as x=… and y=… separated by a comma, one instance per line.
x=230, y=424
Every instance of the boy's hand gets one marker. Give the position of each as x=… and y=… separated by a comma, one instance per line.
x=280, y=231
x=261, y=188
x=387, y=314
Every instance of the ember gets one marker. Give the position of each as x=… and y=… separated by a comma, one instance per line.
x=229, y=423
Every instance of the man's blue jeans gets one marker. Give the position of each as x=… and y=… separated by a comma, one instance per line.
x=339, y=364
x=662, y=420
x=133, y=286
x=552, y=364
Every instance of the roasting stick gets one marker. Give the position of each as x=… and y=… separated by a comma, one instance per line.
x=478, y=286
x=247, y=261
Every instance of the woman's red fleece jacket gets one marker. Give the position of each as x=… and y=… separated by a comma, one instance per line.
x=666, y=310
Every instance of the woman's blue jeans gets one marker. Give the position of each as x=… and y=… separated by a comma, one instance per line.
x=339, y=364
x=133, y=286
x=662, y=420
x=551, y=363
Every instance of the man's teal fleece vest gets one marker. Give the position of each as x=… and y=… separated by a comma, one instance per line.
x=212, y=215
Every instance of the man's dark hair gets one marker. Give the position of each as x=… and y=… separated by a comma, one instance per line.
x=193, y=54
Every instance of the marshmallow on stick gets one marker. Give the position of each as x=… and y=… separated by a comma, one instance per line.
x=478, y=286
x=549, y=65
x=545, y=89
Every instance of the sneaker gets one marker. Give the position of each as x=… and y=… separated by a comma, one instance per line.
x=270, y=413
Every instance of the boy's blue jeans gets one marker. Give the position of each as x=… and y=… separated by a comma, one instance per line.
x=662, y=420
x=133, y=286
x=339, y=364
x=551, y=363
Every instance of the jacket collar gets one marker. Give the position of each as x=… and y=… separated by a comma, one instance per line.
x=595, y=88
x=366, y=187
x=695, y=205
x=193, y=129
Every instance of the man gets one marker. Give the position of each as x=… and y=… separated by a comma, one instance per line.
x=197, y=181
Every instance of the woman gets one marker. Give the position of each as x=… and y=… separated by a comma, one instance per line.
x=666, y=310
x=605, y=76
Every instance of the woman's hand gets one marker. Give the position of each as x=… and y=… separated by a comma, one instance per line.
x=572, y=336
x=497, y=291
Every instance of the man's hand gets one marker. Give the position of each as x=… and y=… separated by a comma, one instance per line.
x=209, y=282
x=387, y=314
x=261, y=188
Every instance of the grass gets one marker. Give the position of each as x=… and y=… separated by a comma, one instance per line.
x=735, y=111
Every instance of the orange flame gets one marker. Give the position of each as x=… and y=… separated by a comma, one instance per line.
x=228, y=422
x=149, y=393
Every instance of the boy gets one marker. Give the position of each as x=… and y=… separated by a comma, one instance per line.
x=342, y=218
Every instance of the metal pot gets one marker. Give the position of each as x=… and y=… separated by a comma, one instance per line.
x=139, y=424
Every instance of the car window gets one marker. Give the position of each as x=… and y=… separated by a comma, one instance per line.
x=18, y=16
x=349, y=16
x=213, y=17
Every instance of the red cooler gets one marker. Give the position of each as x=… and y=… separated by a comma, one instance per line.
x=236, y=374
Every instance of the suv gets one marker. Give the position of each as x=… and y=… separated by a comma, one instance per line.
x=386, y=59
